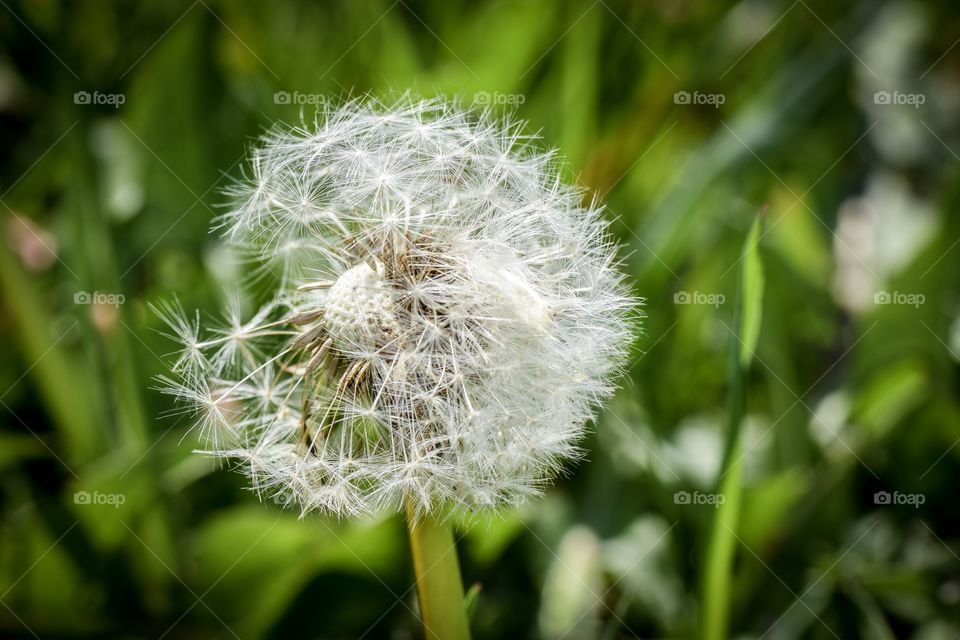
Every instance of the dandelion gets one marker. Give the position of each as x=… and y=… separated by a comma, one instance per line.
x=448, y=315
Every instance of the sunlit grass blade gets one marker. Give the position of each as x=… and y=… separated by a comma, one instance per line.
x=723, y=536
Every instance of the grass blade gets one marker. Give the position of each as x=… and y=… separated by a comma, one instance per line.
x=723, y=536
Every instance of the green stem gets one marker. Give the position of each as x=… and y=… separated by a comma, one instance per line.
x=437, y=571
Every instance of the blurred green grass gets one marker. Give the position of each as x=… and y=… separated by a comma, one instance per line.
x=854, y=388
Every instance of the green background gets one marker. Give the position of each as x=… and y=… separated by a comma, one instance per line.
x=854, y=390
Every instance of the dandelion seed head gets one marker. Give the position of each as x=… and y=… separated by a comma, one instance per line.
x=448, y=316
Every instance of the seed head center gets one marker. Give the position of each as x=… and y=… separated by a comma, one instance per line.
x=360, y=309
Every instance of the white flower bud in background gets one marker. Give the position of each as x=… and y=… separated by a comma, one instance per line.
x=448, y=315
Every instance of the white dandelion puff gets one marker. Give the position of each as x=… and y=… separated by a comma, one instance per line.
x=448, y=315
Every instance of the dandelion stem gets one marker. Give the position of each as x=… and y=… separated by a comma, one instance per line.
x=437, y=571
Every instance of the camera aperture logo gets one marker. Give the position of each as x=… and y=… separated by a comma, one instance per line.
x=99, y=297
x=97, y=498
x=886, y=498
x=698, y=498
x=699, y=297
x=699, y=98
x=98, y=98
